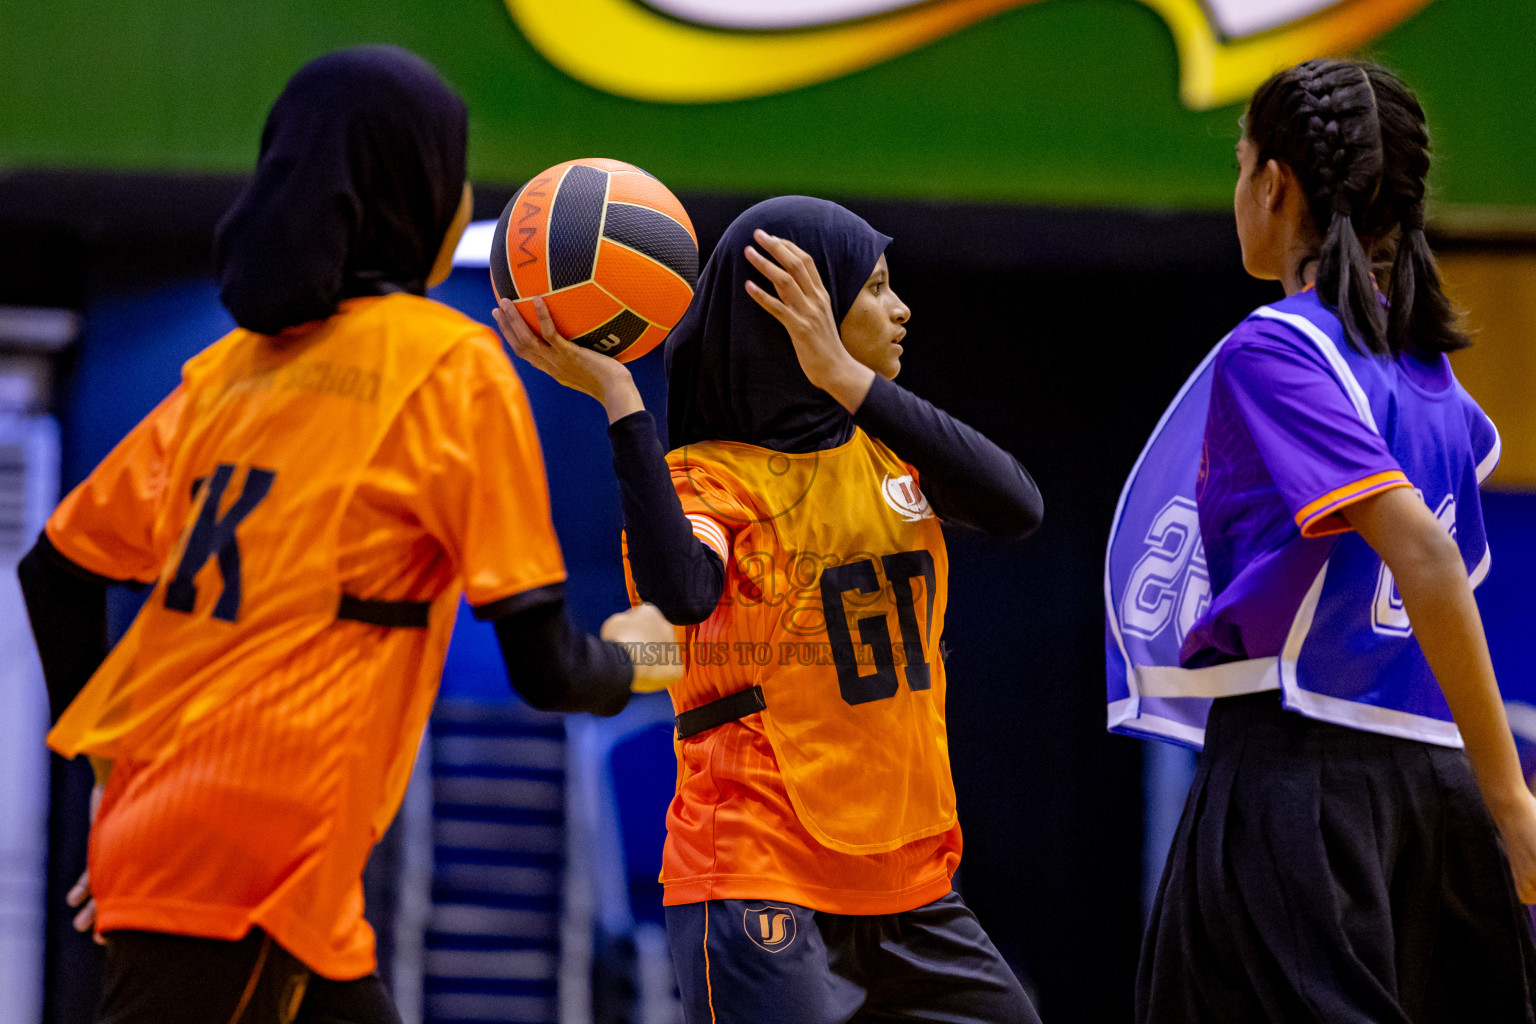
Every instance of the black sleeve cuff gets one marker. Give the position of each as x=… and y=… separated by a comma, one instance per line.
x=632, y=433
x=59, y=560
x=67, y=608
x=506, y=607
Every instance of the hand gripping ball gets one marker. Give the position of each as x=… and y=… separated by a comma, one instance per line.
x=611, y=251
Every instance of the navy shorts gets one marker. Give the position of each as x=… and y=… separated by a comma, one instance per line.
x=749, y=961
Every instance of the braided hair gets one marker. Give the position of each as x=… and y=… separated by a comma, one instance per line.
x=1354, y=136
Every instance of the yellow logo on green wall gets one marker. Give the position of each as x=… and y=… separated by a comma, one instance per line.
x=700, y=51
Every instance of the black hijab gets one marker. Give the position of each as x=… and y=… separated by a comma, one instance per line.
x=732, y=373
x=361, y=171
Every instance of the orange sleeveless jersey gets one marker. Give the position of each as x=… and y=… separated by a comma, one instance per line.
x=838, y=796
x=262, y=745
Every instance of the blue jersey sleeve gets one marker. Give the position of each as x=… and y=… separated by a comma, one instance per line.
x=1320, y=453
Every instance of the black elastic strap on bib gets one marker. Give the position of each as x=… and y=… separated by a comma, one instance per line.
x=390, y=614
x=717, y=712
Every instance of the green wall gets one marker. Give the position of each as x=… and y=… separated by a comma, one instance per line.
x=1060, y=101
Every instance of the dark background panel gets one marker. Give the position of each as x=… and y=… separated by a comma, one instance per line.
x=1069, y=367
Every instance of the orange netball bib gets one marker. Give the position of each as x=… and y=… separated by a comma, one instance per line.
x=834, y=604
x=269, y=442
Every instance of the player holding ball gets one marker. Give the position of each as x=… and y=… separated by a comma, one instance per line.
x=307, y=505
x=794, y=530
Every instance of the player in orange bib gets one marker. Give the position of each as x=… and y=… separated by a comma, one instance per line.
x=795, y=529
x=307, y=505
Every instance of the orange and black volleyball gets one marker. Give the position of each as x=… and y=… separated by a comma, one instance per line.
x=607, y=246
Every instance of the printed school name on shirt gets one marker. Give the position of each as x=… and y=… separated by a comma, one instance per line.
x=340, y=380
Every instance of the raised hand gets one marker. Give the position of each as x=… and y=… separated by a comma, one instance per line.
x=805, y=310
x=581, y=369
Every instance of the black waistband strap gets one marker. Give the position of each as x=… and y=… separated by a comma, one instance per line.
x=717, y=712
x=392, y=614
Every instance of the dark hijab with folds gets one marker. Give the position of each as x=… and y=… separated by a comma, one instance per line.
x=361, y=171
x=732, y=372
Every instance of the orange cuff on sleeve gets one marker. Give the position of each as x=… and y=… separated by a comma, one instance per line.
x=1321, y=518
x=709, y=531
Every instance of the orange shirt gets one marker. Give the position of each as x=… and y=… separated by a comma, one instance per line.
x=261, y=744
x=838, y=796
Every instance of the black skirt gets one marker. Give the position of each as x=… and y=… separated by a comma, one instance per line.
x=1321, y=873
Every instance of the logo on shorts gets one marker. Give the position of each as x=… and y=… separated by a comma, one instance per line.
x=769, y=926
x=902, y=494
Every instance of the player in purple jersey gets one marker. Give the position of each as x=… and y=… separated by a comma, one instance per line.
x=1343, y=863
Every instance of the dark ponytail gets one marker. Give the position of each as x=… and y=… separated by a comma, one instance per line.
x=1354, y=136
x=1345, y=283
x=1422, y=318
